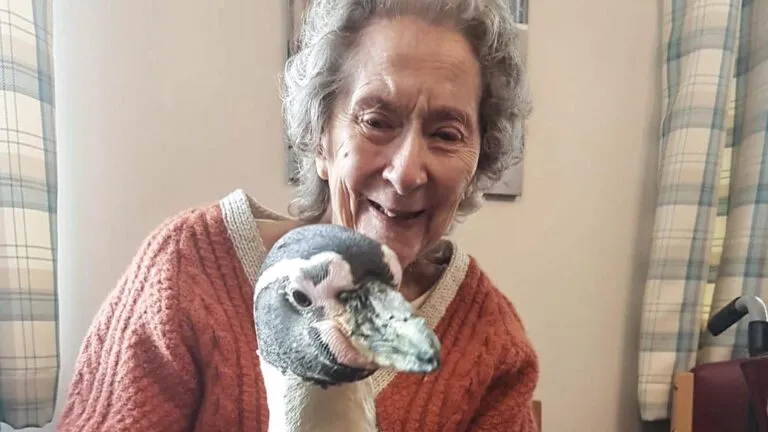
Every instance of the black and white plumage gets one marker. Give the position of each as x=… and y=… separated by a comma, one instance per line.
x=328, y=315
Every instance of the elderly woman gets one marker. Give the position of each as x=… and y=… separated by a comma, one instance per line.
x=402, y=113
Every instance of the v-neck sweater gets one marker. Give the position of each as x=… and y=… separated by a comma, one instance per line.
x=173, y=347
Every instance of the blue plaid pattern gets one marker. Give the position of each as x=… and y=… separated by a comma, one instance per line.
x=710, y=239
x=29, y=352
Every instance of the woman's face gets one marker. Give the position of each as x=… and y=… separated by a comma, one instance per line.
x=403, y=141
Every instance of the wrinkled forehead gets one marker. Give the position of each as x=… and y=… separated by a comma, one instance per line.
x=406, y=57
x=332, y=269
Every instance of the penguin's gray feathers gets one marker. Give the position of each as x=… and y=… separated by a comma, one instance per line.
x=365, y=256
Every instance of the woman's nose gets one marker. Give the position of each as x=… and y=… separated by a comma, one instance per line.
x=407, y=169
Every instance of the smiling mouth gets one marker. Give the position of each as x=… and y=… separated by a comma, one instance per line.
x=398, y=215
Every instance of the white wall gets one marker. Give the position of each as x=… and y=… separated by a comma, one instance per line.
x=572, y=252
x=151, y=87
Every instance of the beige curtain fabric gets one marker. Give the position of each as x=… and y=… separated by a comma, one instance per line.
x=29, y=360
x=710, y=239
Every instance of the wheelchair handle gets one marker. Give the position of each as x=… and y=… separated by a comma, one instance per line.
x=737, y=309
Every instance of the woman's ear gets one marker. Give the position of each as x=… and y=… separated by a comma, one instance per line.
x=321, y=162
x=321, y=165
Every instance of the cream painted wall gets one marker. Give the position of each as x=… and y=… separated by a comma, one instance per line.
x=149, y=88
x=571, y=253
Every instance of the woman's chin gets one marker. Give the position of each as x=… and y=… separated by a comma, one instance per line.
x=405, y=247
x=405, y=239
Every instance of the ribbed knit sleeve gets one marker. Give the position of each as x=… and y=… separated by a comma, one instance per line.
x=135, y=370
x=507, y=404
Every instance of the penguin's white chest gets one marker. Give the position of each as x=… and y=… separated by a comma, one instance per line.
x=297, y=406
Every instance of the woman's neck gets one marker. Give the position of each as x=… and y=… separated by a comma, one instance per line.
x=424, y=272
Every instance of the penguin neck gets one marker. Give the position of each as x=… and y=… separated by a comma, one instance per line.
x=299, y=406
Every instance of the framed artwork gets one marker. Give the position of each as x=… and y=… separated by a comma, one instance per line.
x=296, y=10
x=511, y=183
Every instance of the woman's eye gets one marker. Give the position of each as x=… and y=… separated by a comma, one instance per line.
x=449, y=135
x=376, y=122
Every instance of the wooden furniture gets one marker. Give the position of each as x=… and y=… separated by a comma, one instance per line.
x=537, y=413
x=682, y=403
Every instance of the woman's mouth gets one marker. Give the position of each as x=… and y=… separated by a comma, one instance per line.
x=395, y=214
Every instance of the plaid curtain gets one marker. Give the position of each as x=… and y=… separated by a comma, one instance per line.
x=29, y=362
x=710, y=239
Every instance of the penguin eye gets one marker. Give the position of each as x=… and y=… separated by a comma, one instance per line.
x=301, y=299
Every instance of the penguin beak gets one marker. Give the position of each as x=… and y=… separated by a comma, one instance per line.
x=381, y=324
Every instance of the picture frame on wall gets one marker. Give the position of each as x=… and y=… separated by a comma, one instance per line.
x=296, y=10
x=511, y=184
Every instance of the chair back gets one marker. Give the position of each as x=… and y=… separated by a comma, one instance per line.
x=755, y=371
x=720, y=397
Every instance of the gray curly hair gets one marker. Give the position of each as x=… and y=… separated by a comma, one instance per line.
x=313, y=77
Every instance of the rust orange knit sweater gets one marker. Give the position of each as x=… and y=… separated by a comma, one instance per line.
x=174, y=349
